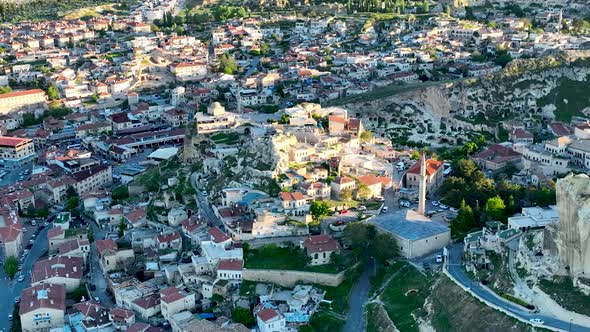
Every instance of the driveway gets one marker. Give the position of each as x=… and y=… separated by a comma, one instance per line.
x=456, y=270
x=359, y=295
x=9, y=289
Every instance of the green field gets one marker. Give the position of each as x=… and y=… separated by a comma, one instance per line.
x=562, y=290
x=576, y=94
x=404, y=298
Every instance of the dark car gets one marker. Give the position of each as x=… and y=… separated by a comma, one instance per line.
x=92, y=287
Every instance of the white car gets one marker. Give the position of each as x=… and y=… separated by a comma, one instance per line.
x=384, y=209
x=442, y=206
x=404, y=203
x=204, y=193
x=435, y=203
x=21, y=278
x=536, y=321
x=438, y=259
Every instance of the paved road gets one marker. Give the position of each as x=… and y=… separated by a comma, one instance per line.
x=97, y=278
x=359, y=295
x=205, y=210
x=10, y=289
x=456, y=270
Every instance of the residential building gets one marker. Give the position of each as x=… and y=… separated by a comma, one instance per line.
x=59, y=270
x=42, y=307
x=434, y=175
x=22, y=100
x=270, y=320
x=320, y=248
x=15, y=151
x=174, y=300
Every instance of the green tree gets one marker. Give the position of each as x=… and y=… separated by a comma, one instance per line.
x=10, y=266
x=346, y=195
x=79, y=292
x=52, y=92
x=122, y=227
x=71, y=192
x=384, y=247
x=227, y=64
x=243, y=316
x=415, y=155
x=284, y=119
x=358, y=235
x=120, y=193
x=319, y=210
x=72, y=203
x=5, y=89
x=366, y=136
x=464, y=222
x=448, y=10
x=363, y=191
x=495, y=208
x=426, y=7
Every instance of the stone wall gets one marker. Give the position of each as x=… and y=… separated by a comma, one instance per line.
x=289, y=278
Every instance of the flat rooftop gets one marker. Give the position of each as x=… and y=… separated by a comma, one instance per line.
x=410, y=225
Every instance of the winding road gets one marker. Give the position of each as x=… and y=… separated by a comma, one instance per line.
x=455, y=268
x=359, y=295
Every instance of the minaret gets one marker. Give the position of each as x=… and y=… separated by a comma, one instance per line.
x=422, y=189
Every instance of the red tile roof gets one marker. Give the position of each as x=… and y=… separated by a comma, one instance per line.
x=43, y=296
x=294, y=196
x=432, y=165
x=60, y=266
x=369, y=180
x=168, y=237
x=13, y=141
x=55, y=232
x=320, y=243
x=230, y=264
x=21, y=93
x=337, y=119
x=149, y=301
x=103, y=246
x=267, y=314
x=217, y=235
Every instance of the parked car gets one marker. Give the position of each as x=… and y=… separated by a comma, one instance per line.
x=444, y=207
x=21, y=278
x=404, y=204
x=435, y=203
x=97, y=299
x=17, y=299
x=384, y=209
x=439, y=259
x=537, y=321
x=9, y=317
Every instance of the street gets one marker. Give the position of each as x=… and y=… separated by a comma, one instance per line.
x=456, y=270
x=358, y=298
x=97, y=278
x=10, y=289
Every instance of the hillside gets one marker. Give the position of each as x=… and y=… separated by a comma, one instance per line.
x=529, y=91
x=417, y=302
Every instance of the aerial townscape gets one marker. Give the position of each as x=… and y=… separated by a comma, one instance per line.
x=294, y=165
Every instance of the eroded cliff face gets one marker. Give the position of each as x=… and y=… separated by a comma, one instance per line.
x=572, y=236
x=526, y=93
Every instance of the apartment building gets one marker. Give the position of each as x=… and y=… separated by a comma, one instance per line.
x=21, y=100
x=42, y=307
x=15, y=151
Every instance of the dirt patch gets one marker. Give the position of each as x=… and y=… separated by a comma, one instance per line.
x=378, y=320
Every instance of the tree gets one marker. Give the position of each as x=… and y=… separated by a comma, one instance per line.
x=495, y=208
x=120, y=193
x=319, y=210
x=284, y=119
x=72, y=203
x=243, y=316
x=415, y=155
x=52, y=92
x=10, y=266
x=363, y=192
x=426, y=7
x=71, y=192
x=346, y=195
x=384, y=247
x=5, y=89
x=448, y=10
x=122, y=227
x=464, y=222
x=79, y=292
x=227, y=64
x=358, y=235
x=366, y=136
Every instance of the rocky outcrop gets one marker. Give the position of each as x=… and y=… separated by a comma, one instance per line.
x=572, y=235
x=451, y=112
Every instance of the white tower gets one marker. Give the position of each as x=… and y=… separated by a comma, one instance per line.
x=422, y=189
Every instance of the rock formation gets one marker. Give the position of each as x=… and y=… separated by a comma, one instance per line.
x=572, y=235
